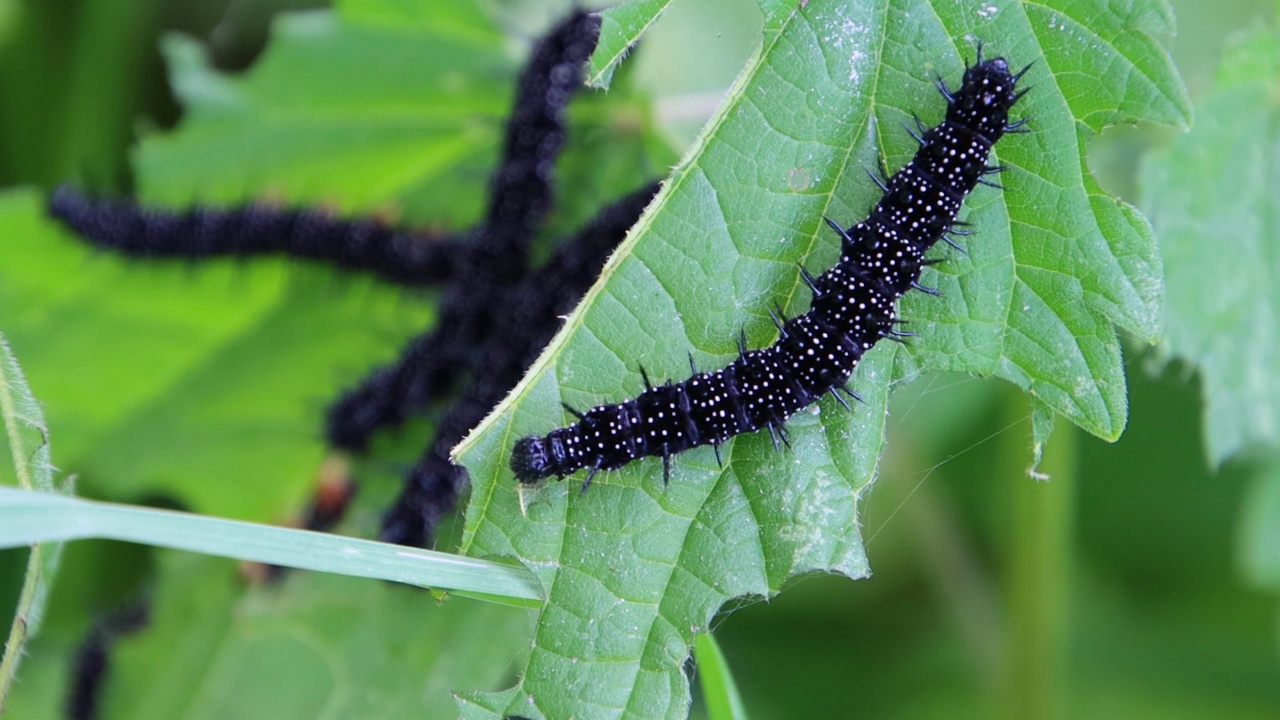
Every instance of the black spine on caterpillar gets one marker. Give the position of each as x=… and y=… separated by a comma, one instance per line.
x=399, y=256
x=816, y=353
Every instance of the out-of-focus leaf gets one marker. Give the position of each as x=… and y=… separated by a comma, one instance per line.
x=318, y=646
x=1212, y=199
x=635, y=570
x=349, y=109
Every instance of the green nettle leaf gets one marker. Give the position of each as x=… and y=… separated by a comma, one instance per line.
x=1212, y=199
x=633, y=570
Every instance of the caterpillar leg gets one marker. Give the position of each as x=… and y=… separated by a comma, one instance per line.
x=591, y=475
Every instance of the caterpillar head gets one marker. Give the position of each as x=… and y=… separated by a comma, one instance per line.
x=532, y=459
x=983, y=101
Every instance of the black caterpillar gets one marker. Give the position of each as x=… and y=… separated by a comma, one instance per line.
x=852, y=308
x=413, y=259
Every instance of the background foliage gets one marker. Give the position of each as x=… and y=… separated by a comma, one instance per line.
x=1113, y=591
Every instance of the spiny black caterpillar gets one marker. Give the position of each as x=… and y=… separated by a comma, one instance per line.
x=497, y=311
x=403, y=257
x=852, y=308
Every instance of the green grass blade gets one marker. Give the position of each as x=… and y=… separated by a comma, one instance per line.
x=29, y=517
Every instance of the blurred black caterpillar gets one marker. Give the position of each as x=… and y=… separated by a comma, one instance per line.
x=497, y=311
x=852, y=308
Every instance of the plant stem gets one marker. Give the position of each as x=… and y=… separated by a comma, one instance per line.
x=1039, y=571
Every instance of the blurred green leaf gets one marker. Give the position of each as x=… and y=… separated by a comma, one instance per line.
x=315, y=646
x=635, y=570
x=27, y=437
x=346, y=108
x=1212, y=199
